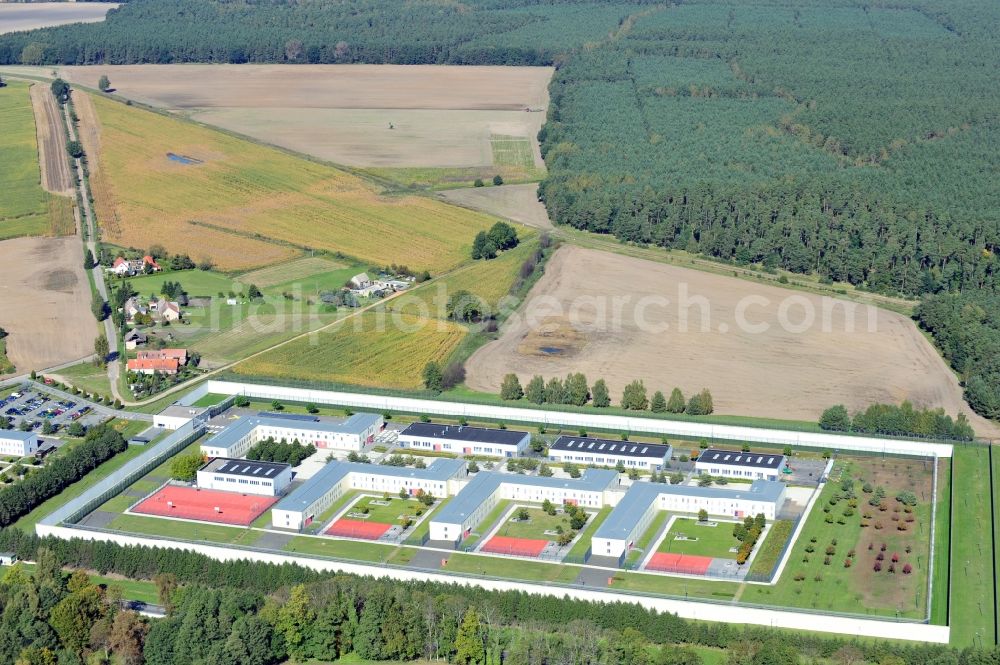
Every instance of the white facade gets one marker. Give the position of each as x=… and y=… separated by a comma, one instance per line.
x=174, y=417
x=239, y=476
x=463, y=440
x=738, y=464
x=604, y=452
x=18, y=444
x=353, y=435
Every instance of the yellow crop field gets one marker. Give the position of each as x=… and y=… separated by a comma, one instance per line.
x=489, y=280
x=380, y=349
x=24, y=205
x=197, y=190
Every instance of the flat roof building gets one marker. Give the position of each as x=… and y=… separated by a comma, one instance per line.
x=245, y=476
x=607, y=452
x=738, y=464
x=464, y=440
x=455, y=521
x=15, y=443
x=306, y=502
x=176, y=416
x=643, y=500
x=354, y=433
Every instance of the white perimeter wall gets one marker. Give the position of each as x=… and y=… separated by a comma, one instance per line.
x=820, y=440
x=684, y=608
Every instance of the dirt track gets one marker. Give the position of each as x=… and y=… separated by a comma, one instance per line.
x=517, y=202
x=781, y=372
x=45, y=302
x=52, y=156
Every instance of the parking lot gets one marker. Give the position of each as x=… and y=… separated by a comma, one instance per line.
x=35, y=407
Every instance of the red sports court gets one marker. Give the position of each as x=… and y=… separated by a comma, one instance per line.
x=206, y=505
x=346, y=528
x=514, y=546
x=668, y=562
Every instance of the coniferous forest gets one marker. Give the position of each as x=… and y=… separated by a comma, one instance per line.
x=854, y=139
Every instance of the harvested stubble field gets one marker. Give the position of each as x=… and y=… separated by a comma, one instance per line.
x=516, y=202
x=783, y=371
x=361, y=115
x=25, y=208
x=373, y=349
x=199, y=191
x=45, y=302
x=28, y=16
x=51, y=136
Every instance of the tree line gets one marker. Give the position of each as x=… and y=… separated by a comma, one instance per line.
x=901, y=420
x=270, y=450
x=575, y=391
x=100, y=444
x=249, y=613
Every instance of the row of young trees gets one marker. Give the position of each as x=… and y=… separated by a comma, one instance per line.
x=902, y=420
x=99, y=444
x=574, y=390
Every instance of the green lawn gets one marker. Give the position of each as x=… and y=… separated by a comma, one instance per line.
x=156, y=526
x=514, y=569
x=580, y=548
x=942, y=551
x=535, y=527
x=211, y=399
x=24, y=205
x=706, y=540
x=675, y=586
x=195, y=282
x=87, y=377
x=343, y=549
x=327, y=514
x=385, y=514
x=424, y=527
x=27, y=522
x=973, y=597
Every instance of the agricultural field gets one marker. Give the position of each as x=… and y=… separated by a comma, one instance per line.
x=490, y=281
x=57, y=176
x=516, y=202
x=25, y=208
x=766, y=363
x=374, y=349
x=845, y=526
x=358, y=115
x=244, y=206
x=28, y=16
x=46, y=302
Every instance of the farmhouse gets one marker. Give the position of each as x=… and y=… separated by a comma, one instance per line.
x=127, y=267
x=361, y=281
x=300, y=508
x=153, y=365
x=134, y=307
x=18, y=444
x=605, y=452
x=167, y=310
x=245, y=476
x=134, y=339
x=180, y=355
x=637, y=509
x=351, y=434
x=454, y=521
x=735, y=464
x=464, y=440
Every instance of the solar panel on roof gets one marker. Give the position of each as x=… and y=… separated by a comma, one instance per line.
x=644, y=449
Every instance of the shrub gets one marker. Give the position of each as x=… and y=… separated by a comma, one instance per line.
x=810, y=549
x=877, y=567
x=826, y=561
x=829, y=519
x=880, y=556
x=818, y=577
x=831, y=550
x=895, y=557
x=848, y=563
x=907, y=569
x=883, y=547
x=799, y=576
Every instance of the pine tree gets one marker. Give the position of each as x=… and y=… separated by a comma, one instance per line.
x=634, y=396
x=658, y=403
x=555, y=391
x=577, y=392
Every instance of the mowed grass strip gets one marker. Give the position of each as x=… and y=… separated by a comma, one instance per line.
x=24, y=205
x=371, y=349
x=156, y=526
x=513, y=151
x=973, y=596
x=510, y=568
x=260, y=193
x=389, y=514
